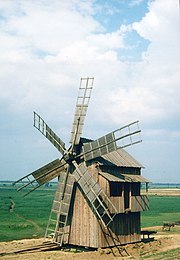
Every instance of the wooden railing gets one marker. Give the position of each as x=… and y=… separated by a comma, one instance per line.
x=137, y=203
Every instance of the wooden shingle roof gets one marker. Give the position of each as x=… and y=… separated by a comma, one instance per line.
x=120, y=158
x=124, y=177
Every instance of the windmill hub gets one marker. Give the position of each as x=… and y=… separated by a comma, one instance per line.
x=69, y=157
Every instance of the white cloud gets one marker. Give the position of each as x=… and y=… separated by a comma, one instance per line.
x=49, y=26
x=45, y=50
x=153, y=92
x=45, y=47
x=161, y=23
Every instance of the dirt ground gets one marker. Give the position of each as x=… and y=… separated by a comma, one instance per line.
x=165, y=192
x=41, y=249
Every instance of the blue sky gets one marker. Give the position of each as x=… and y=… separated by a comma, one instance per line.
x=131, y=48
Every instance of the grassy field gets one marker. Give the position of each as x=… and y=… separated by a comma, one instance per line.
x=29, y=217
x=162, y=209
x=31, y=213
x=171, y=254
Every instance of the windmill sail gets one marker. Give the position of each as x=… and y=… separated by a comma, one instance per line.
x=96, y=197
x=41, y=176
x=58, y=226
x=48, y=133
x=84, y=95
x=120, y=138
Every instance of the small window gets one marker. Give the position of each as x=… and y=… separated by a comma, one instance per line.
x=115, y=189
x=135, y=188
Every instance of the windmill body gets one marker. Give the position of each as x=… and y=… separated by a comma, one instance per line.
x=98, y=198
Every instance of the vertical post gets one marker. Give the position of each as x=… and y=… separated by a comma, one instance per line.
x=130, y=137
x=39, y=122
x=130, y=193
x=123, y=197
x=34, y=118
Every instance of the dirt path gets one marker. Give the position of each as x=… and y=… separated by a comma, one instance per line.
x=37, y=227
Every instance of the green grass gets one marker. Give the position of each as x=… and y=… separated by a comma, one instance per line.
x=170, y=254
x=32, y=212
x=162, y=208
x=30, y=215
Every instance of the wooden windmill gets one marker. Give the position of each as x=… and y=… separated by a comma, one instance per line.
x=80, y=198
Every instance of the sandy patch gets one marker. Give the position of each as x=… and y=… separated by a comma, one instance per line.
x=41, y=249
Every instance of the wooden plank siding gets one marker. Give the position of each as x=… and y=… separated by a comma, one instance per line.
x=84, y=223
x=118, y=203
x=86, y=230
x=124, y=229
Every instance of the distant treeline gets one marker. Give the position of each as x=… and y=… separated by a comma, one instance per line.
x=151, y=185
x=164, y=185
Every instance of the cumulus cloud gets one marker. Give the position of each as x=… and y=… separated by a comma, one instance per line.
x=45, y=50
x=153, y=92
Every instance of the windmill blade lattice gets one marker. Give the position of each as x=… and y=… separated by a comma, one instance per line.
x=120, y=138
x=82, y=103
x=41, y=176
x=48, y=133
x=95, y=195
x=57, y=224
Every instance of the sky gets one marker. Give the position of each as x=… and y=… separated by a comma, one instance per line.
x=130, y=47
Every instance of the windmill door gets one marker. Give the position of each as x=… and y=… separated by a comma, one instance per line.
x=126, y=195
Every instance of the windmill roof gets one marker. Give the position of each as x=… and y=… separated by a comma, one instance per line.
x=124, y=177
x=120, y=158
